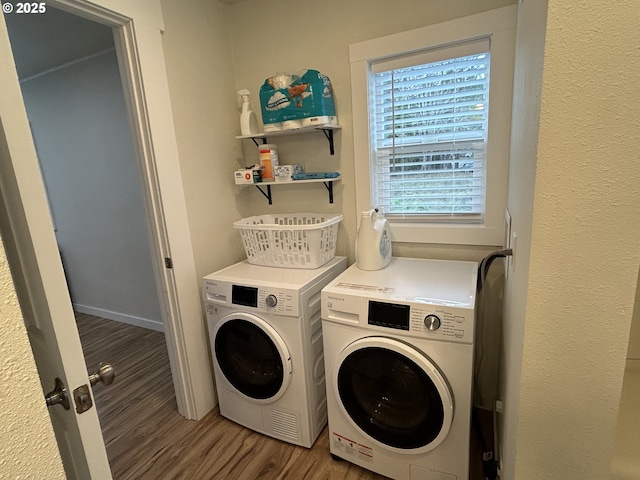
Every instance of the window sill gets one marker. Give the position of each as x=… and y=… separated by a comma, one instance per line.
x=446, y=234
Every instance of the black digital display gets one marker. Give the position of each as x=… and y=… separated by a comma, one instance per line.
x=247, y=296
x=391, y=315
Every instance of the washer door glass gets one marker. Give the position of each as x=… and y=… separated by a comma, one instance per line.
x=394, y=394
x=252, y=357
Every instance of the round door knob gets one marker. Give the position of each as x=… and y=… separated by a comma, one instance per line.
x=105, y=374
x=432, y=322
x=271, y=300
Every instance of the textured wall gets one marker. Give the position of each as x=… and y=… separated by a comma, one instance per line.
x=585, y=248
x=24, y=420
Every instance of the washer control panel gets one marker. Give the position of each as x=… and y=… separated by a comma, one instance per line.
x=441, y=322
x=432, y=322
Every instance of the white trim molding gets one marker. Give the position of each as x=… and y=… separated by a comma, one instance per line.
x=499, y=26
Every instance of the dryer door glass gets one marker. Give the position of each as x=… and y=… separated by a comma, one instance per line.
x=249, y=359
x=390, y=398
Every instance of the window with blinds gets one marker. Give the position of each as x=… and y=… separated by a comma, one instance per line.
x=429, y=117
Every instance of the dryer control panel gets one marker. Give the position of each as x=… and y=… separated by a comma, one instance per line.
x=280, y=302
x=262, y=299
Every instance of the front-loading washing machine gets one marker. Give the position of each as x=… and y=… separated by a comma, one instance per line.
x=398, y=346
x=266, y=342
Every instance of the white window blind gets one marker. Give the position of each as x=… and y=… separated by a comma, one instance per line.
x=429, y=116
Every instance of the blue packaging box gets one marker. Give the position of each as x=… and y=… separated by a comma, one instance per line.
x=310, y=95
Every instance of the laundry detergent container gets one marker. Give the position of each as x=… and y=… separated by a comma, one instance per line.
x=290, y=240
x=373, y=241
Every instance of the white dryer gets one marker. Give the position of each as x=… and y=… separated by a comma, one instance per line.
x=266, y=342
x=398, y=345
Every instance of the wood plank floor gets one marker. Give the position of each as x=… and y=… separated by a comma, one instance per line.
x=146, y=438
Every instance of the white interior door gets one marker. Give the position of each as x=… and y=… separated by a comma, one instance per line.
x=39, y=280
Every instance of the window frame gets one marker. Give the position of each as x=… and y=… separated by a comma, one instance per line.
x=499, y=26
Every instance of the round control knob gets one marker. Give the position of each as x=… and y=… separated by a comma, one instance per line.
x=271, y=300
x=432, y=322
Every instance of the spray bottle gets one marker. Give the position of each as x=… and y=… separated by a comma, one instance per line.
x=248, y=119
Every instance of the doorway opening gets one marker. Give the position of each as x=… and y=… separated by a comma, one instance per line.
x=78, y=116
x=77, y=112
x=45, y=299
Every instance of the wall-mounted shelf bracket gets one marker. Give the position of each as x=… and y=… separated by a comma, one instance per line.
x=267, y=194
x=327, y=129
x=329, y=186
x=329, y=134
x=328, y=183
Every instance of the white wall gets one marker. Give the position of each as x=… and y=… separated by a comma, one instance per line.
x=570, y=299
x=273, y=36
x=530, y=38
x=198, y=56
x=82, y=133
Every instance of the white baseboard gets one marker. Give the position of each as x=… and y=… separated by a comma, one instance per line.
x=120, y=317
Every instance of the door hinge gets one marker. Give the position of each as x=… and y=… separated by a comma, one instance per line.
x=168, y=262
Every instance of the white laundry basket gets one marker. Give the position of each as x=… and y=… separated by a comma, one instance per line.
x=290, y=240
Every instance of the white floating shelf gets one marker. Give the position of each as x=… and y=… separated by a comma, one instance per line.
x=328, y=183
x=327, y=129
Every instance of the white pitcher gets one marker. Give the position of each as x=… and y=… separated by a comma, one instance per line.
x=373, y=241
